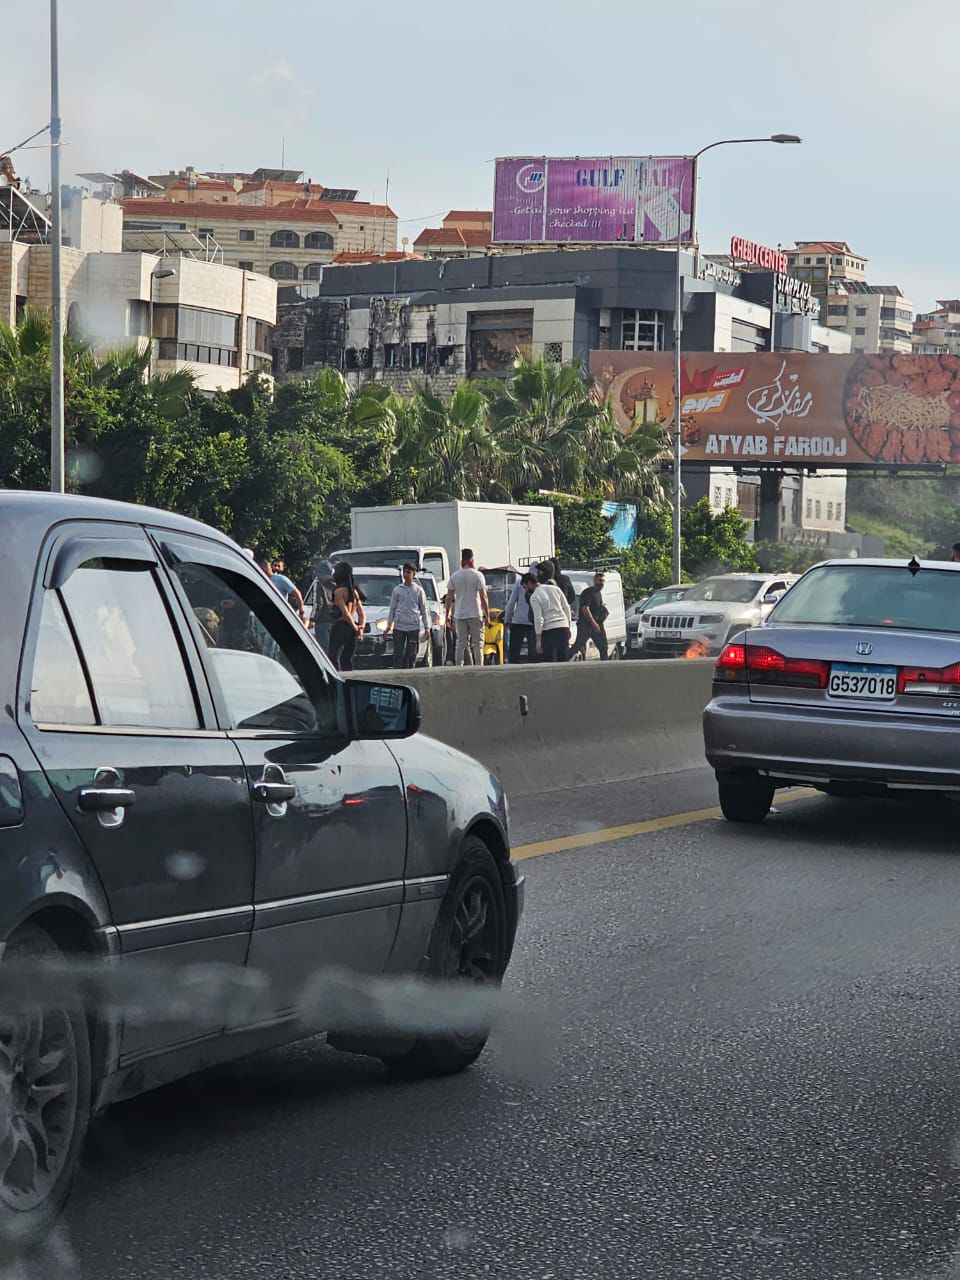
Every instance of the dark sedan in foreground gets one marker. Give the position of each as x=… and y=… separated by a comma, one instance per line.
x=852, y=686
x=199, y=819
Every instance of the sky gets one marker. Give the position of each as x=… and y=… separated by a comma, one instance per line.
x=425, y=95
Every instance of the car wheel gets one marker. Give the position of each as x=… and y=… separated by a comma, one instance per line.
x=44, y=1101
x=615, y=654
x=491, y=660
x=745, y=797
x=469, y=944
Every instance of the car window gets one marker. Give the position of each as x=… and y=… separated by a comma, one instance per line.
x=874, y=596
x=376, y=589
x=433, y=564
x=267, y=678
x=129, y=647
x=726, y=590
x=429, y=589
x=58, y=688
x=775, y=586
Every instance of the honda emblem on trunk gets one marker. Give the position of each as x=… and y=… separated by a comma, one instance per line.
x=864, y=648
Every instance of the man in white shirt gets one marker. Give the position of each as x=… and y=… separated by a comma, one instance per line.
x=467, y=600
x=551, y=621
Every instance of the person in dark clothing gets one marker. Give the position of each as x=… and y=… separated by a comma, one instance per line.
x=349, y=626
x=591, y=617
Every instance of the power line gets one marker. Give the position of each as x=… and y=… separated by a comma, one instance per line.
x=20, y=145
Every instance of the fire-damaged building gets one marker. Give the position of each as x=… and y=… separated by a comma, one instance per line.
x=459, y=318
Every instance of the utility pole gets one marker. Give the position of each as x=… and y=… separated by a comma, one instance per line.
x=57, y=461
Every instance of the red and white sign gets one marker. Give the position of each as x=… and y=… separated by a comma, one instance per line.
x=758, y=255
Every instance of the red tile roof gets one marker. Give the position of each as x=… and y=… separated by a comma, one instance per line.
x=141, y=207
x=356, y=259
x=357, y=207
x=452, y=238
x=469, y=215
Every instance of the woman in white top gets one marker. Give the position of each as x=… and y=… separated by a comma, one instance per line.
x=551, y=621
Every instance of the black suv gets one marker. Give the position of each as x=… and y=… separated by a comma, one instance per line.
x=188, y=791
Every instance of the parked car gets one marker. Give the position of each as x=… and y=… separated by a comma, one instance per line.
x=853, y=686
x=662, y=595
x=184, y=782
x=709, y=614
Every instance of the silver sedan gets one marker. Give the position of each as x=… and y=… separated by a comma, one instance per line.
x=852, y=686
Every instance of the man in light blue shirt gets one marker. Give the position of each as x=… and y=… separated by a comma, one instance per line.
x=408, y=614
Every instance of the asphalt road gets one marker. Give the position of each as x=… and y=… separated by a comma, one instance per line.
x=731, y=1052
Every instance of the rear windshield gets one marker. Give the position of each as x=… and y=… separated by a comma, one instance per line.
x=728, y=590
x=874, y=596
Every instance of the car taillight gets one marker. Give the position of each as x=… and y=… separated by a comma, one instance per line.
x=943, y=682
x=732, y=664
x=759, y=664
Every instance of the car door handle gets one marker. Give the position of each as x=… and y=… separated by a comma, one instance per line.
x=101, y=799
x=273, y=792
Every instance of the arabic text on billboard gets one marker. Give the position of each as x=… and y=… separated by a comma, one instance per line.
x=593, y=199
x=794, y=408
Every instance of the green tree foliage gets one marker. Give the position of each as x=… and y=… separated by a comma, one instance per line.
x=709, y=544
x=916, y=515
x=581, y=530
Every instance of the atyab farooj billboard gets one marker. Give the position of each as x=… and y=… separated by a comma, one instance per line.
x=795, y=409
x=593, y=199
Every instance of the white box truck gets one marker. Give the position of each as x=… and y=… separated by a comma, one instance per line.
x=498, y=533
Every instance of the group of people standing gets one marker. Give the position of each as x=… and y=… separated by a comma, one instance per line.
x=540, y=610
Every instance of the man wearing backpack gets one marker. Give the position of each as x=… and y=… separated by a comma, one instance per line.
x=325, y=612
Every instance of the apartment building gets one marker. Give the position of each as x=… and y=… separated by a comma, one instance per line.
x=204, y=316
x=270, y=221
x=818, y=262
x=877, y=317
x=937, y=333
x=465, y=233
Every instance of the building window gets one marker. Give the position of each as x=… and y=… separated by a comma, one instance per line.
x=839, y=510
x=829, y=510
x=259, y=336
x=318, y=240
x=313, y=271
x=809, y=508
x=641, y=330
x=807, y=262
x=194, y=353
x=284, y=240
x=819, y=509
x=838, y=262
x=205, y=233
x=391, y=355
x=245, y=266
x=859, y=332
x=247, y=235
x=418, y=355
x=861, y=311
x=821, y=262
x=445, y=356
x=717, y=497
x=284, y=271
x=496, y=337
x=835, y=309
x=553, y=352
x=138, y=318
x=294, y=359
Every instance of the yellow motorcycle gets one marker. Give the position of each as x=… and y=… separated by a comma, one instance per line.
x=493, y=640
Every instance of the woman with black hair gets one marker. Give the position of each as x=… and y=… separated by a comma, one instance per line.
x=349, y=626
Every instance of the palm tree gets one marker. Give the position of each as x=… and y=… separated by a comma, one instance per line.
x=447, y=450
x=552, y=430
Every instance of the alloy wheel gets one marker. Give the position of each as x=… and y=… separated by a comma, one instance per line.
x=473, y=948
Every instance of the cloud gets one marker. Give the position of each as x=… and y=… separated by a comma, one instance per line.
x=282, y=73
x=290, y=97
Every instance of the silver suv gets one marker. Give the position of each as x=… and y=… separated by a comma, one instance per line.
x=699, y=625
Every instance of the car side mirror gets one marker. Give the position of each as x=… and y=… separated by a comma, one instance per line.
x=377, y=711
x=773, y=596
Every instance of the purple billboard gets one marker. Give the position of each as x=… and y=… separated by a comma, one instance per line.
x=593, y=199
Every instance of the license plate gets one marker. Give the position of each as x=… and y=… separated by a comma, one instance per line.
x=855, y=680
x=668, y=635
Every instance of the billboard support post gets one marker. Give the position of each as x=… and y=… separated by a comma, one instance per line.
x=677, y=330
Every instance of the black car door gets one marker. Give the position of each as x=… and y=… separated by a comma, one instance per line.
x=118, y=713
x=329, y=813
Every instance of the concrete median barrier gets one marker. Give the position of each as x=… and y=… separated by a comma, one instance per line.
x=541, y=728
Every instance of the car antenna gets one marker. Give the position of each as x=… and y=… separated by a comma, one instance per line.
x=914, y=566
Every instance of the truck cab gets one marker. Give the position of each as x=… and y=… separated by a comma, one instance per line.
x=427, y=559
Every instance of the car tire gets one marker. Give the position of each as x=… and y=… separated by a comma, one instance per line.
x=45, y=1062
x=469, y=943
x=491, y=660
x=615, y=654
x=745, y=797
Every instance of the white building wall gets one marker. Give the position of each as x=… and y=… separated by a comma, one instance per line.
x=824, y=496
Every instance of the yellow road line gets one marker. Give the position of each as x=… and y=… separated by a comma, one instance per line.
x=608, y=834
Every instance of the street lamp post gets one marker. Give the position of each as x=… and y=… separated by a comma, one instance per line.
x=678, y=327
x=57, y=459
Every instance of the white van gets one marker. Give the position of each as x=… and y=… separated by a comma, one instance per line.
x=616, y=623
x=425, y=559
